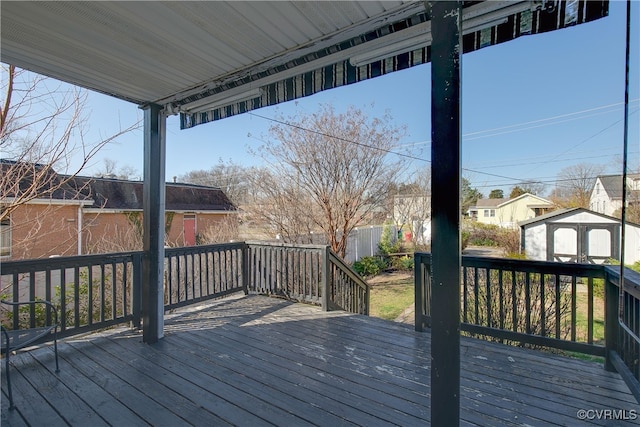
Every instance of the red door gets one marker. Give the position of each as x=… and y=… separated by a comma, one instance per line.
x=189, y=230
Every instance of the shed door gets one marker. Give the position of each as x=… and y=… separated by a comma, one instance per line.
x=583, y=243
x=189, y=230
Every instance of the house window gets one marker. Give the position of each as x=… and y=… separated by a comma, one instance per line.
x=489, y=213
x=5, y=235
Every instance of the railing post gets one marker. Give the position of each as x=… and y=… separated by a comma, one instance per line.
x=136, y=292
x=326, y=281
x=245, y=268
x=611, y=300
x=418, y=291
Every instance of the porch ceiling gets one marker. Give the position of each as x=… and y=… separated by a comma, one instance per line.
x=160, y=52
x=226, y=58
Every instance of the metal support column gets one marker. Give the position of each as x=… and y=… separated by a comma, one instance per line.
x=153, y=222
x=446, y=56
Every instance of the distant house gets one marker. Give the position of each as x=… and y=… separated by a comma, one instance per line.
x=508, y=212
x=578, y=235
x=606, y=197
x=40, y=212
x=413, y=212
x=78, y=215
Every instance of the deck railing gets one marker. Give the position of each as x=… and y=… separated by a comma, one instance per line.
x=546, y=304
x=622, y=327
x=198, y=273
x=307, y=273
x=98, y=291
x=90, y=291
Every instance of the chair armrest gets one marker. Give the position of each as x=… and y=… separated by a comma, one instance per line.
x=6, y=341
x=20, y=338
x=53, y=308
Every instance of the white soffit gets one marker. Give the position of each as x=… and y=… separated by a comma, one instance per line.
x=147, y=51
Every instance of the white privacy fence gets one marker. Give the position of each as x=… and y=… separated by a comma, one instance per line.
x=363, y=241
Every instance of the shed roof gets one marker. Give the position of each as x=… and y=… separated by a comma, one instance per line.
x=563, y=213
x=210, y=60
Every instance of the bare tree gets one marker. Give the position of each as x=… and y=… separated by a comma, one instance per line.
x=280, y=208
x=574, y=185
x=230, y=177
x=339, y=162
x=531, y=187
x=226, y=230
x=111, y=169
x=42, y=126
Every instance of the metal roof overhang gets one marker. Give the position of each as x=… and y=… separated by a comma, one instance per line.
x=210, y=60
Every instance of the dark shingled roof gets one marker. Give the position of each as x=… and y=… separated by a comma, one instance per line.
x=120, y=194
x=24, y=179
x=108, y=193
x=612, y=184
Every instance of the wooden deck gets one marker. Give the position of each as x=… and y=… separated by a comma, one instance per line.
x=257, y=361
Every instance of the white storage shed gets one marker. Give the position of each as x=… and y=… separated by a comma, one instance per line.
x=578, y=235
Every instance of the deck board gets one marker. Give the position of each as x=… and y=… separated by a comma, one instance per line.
x=257, y=361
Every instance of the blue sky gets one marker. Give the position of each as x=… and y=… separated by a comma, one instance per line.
x=530, y=108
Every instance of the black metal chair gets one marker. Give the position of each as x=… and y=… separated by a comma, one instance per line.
x=13, y=340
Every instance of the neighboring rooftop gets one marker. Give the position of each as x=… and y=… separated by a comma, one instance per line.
x=107, y=193
x=612, y=184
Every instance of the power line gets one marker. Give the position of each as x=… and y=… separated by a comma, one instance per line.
x=339, y=138
x=412, y=157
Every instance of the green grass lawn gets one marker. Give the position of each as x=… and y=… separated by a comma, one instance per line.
x=390, y=298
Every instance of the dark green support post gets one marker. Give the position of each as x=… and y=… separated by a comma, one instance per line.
x=153, y=195
x=446, y=56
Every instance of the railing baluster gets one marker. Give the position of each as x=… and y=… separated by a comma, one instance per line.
x=32, y=297
x=47, y=292
x=16, y=297
x=114, y=290
x=476, y=295
x=102, y=292
x=465, y=300
x=501, y=296
x=76, y=297
x=574, y=303
x=488, y=291
x=590, y=310
x=90, y=294
x=527, y=301
x=63, y=299
x=514, y=302
x=558, y=306
x=543, y=307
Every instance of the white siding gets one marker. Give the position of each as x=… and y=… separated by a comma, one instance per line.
x=586, y=218
x=632, y=244
x=536, y=242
